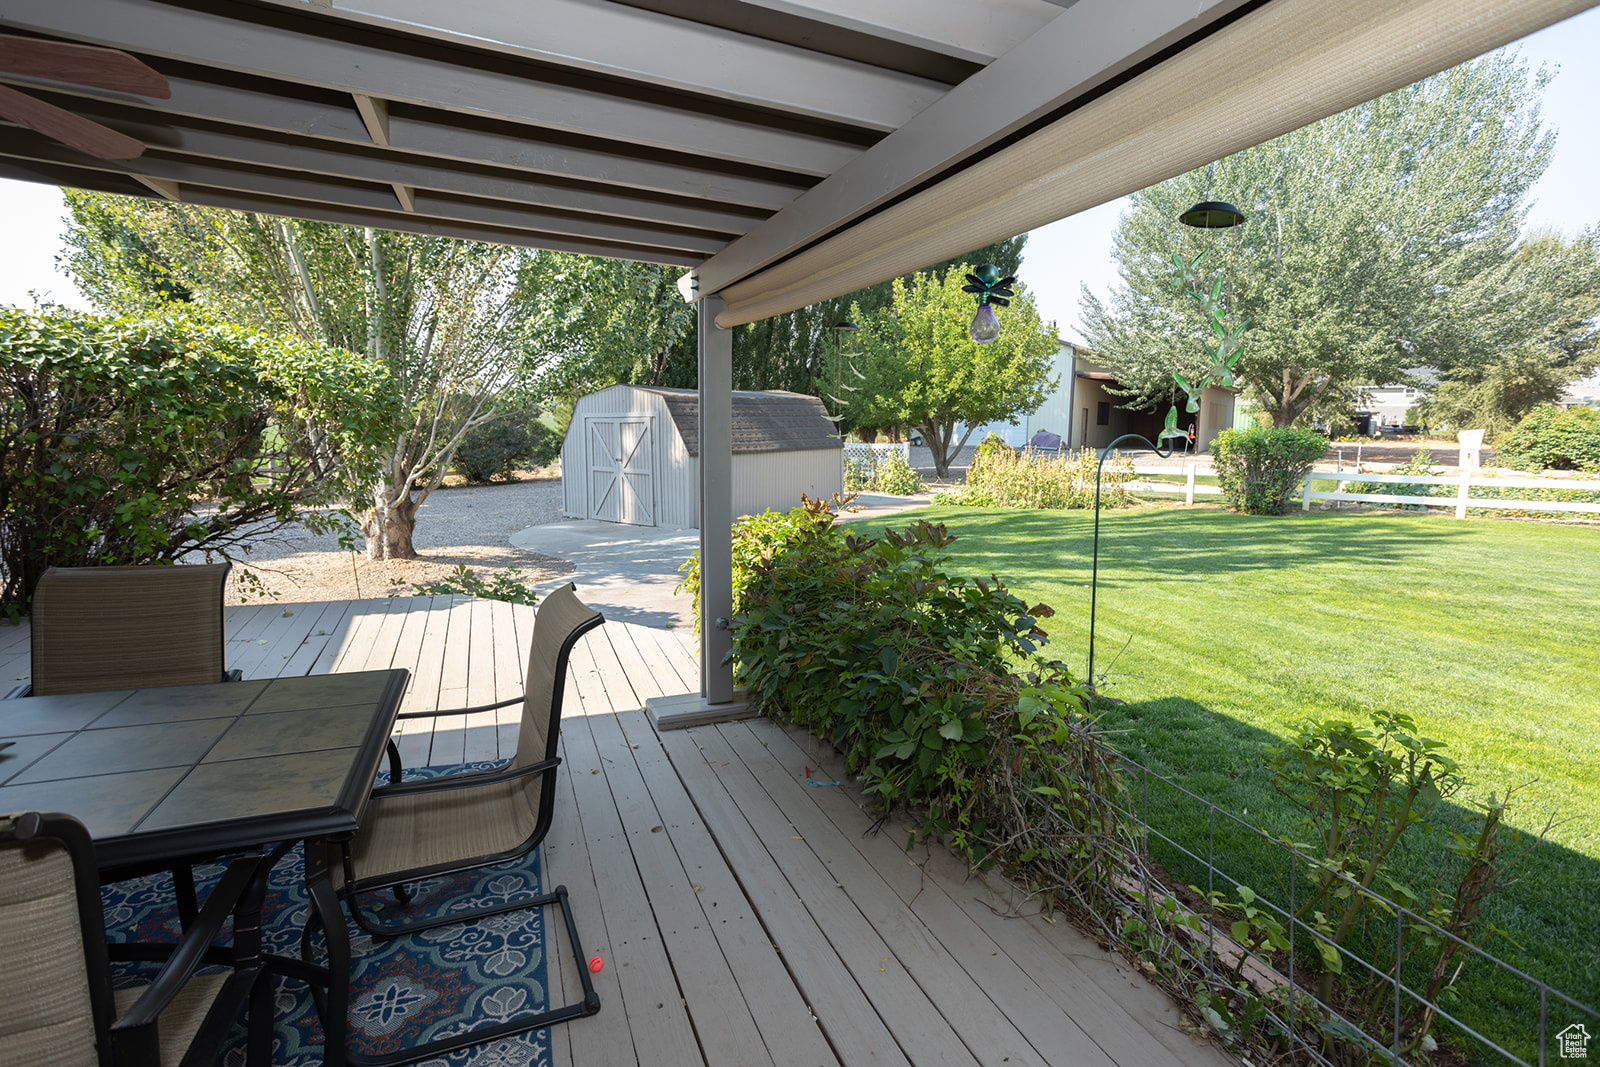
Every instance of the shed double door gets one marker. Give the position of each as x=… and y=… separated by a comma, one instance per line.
x=622, y=469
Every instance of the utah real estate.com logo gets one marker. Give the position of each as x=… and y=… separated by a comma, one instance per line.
x=1573, y=1042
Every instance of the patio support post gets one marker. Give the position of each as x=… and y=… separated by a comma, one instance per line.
x=716, y=503
x=718, y=700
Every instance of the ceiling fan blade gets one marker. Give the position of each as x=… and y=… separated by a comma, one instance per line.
x=99, y=141
x=80, y=64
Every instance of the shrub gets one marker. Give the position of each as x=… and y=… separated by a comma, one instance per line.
x=1259, y=469
x=494, y=449
x=896, y=477
x=1552, y=439
x=1000, y=476
x=857, y=477
x=932, y=686
x=140, y=441
x=890, y=473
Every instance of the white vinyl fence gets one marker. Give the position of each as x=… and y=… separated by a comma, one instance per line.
x=1190, y=488
x=1163, y=480
x=1461, y=500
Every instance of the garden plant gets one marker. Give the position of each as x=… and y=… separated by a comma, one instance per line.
x=1260, y=469
x=1000, y=476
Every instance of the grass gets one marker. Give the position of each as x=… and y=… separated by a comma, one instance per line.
x=1222, y=632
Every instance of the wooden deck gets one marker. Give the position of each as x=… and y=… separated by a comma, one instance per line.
x=745, y=916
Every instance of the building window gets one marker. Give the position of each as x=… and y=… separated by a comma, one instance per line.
x=1102, y=413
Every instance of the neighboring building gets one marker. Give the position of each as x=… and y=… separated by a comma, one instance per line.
x=1086, y=414
x=632, y=455
x=1584, y=393
x=1388, y=405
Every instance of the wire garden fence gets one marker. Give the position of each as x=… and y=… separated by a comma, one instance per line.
x=1251, y=978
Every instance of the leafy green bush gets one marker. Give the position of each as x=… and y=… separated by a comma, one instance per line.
x=1000, y=476
x=932, y=686
x=138, y=441
x=896, y=477
x=1260, y=469
x=1552, y=439
x=890, y=473
x=857, y=477
x=494, y=449
x=1362, y=787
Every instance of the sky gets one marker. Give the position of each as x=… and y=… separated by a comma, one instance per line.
x=1059, y=258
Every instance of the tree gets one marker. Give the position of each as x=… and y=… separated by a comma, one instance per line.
x=1540, y=332
x=1363, y=238
x=923, y=368
x=614, y=321
x=449, y=319
x=112, y=429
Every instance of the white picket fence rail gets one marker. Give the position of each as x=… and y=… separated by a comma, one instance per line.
x=1463, y=498
x=1190, y=488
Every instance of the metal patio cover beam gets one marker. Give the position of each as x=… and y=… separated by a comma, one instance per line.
x=378, y=68
x=978, y=33
x=1275, y=68
x=645, y=47
x=1083, y=48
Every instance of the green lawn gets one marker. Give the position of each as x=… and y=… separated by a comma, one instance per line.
x=1223, y=631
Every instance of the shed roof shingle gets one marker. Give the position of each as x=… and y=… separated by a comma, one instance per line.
x=771, y=421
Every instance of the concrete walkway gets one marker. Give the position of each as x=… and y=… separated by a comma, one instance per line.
x=630, y=572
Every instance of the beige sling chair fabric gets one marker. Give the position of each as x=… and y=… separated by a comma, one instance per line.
x=97, y=628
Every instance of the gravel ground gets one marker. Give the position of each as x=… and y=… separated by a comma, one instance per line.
x=467, y=526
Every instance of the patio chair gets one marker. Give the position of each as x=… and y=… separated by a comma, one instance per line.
x=57, y=1005
x=127, y=627
x=457, y=822
x=97, y=628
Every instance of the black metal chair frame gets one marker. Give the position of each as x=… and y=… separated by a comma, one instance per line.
x=354, y=886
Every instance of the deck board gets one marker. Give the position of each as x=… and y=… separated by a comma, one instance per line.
x=744, y=916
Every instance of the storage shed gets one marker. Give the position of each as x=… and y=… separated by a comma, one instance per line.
x=632, y=454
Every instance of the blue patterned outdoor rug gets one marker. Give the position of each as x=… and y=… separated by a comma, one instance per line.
x=404, y=991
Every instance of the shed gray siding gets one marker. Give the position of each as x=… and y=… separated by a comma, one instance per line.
x=783, y=445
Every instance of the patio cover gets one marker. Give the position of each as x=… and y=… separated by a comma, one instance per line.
x=787, y=150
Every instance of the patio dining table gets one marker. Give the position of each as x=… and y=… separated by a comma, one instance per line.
x=178, y=774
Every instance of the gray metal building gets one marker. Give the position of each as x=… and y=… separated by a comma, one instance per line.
x=632, y=455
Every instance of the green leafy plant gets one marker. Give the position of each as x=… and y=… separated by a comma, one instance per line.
x=857, y=477
x=1260, y=469
x=508, y=584
x=933, y=687
x=1000, y=476
x=896, y=477
x=492, y=450
x=1552, y=439
x=1364, y=788
x=142, y=440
